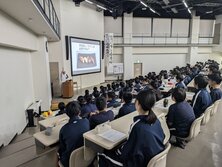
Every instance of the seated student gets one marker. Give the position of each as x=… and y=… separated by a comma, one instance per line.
x=95, y=91
x=128, y=106
x=180, y=83
x=188, y=78
x=102, y=115
x=88, y=107
x=137, y=85
x=155, y=86
x=86, y=93
x=111, y=100
x=61, y=107
x=145, y=139
x=180, y=115
x=202, y=99
x=214, y=82
x=81, y=101
x=71, y=134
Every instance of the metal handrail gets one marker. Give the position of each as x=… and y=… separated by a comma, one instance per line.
x=48, y=11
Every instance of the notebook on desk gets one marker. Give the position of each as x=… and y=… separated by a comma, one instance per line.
x=112, y=135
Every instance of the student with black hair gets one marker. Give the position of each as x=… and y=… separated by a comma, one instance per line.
x=71, y=134
x=111, y=99
x=102, y=115
x=61, y=107
x=81, y=100
x=202, y=99
x=137, y=86
x=145, y=138
x=180, y=83
x=128, y=106
x=215, y=82
x=88, y=107
x=155, y=86
x=180, y=116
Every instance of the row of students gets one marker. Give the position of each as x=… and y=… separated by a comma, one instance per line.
x=135, y=152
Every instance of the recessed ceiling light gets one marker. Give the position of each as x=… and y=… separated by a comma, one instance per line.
x=30, y=19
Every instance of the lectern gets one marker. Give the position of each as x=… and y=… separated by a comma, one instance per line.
x=67, y=89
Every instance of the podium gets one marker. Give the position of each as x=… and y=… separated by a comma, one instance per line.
x=67, y=89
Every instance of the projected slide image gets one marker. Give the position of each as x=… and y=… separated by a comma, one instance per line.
x=86, y=60
x=85, y=56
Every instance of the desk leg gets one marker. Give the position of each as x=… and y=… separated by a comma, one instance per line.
x=90, y=150
x=39, y=144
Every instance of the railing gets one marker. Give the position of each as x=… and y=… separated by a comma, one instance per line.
x=47, y=9
x=164, y=39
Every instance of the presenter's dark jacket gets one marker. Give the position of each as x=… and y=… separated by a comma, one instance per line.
x=100, y=118
x=87, y=109
x=145, y=141
x=216, y=94
x=126, y=109
x=181, y=115
x=71, y=138
x=201, y=101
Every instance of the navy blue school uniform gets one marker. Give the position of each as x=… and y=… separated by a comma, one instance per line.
x=111, y=103
x=126, y=109
x=137, y=87
x=87, y=109
x=100, y=118
x=71, y=138
x=144, y=142
x=187, y=80
x=216, y=94
x=201, y=101
x=181, y=115
x=181, y=85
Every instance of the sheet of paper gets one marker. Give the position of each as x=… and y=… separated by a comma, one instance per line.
x=113, y=135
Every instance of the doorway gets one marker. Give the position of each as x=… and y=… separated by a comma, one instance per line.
x=138, y=68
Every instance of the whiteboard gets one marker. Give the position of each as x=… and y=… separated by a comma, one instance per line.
x=115, y=68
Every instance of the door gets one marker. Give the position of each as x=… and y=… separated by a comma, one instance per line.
x=54, y=76
x=137, y=69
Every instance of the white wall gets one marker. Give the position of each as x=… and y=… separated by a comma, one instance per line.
x=180, y=27
x=112, y=25
x=207, y=28
x=17, y=46
x=161, y=27
x=142, y=26
x=16, y=91
x=81, y=22
x=154, y=62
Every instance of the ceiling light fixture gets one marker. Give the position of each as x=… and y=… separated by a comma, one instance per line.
x=189, y=10
x=209, y=12
x=185, y=4
x=143, y=4
x=89, y=2
x=101, y=7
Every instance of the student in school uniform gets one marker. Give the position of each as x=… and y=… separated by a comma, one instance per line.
x=61, y=107
x=88, y=107
x=180, y=116
x=128, y=106
x=145, y=139
x=137, y=85
x=215, y=82
x=102, y=115
x=202, y=99
x=111, y=101
x=180, y=83
x=71, y=134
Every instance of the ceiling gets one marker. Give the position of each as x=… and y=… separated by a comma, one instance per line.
x=206, y=9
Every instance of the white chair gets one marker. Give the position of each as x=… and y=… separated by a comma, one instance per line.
x=77, y=158
x=216, y=106
x=165, y=128
x=194, y=129
x=207, y=114
x=160, y=159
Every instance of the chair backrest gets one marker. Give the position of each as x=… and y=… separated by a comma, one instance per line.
x=207, y=114
x=195, y=128
x=216, y=106
x=160, y=159
x=77, y=158
x=165, y=128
